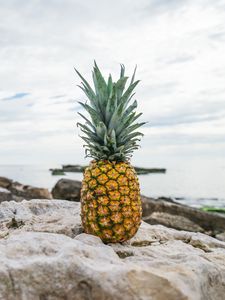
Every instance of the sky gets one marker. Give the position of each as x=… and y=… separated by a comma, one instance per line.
x=179, y=49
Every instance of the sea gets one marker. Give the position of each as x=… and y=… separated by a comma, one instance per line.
x=191, y=183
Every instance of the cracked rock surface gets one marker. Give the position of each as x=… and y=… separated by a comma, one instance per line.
x=45, y=256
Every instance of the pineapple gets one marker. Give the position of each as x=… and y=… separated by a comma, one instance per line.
x=110, y=194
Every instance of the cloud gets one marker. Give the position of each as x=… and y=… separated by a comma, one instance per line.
x=178, y=59
x=16, y=96
x=219, y=36
x=199, y=113
x=58, y=96
x=160, y=6
x=180, y=63
x=159, y=89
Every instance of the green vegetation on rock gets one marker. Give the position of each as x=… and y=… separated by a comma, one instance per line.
x=213, y=209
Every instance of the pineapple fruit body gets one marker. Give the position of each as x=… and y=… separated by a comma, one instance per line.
x=110, y=195
x=110, y=201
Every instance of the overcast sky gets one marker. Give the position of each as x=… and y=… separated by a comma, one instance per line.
x=178, y=45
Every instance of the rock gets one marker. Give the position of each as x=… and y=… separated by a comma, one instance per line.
x=29, y=192
x=142, y=171
x=74, y=168
x=44, y=255
x=5, y=195
x=12, y=190
x=5, y=182
x=182, y=217
x=55, y=216
x=57, y=172
x=221, y=236
x=67, y=189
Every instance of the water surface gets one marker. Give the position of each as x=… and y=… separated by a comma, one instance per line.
x=190, y=183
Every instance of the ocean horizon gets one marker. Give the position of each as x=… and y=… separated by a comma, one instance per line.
x=193, y=184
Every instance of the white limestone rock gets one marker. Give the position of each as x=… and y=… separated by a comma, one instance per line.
x=43, y=256
x=55, y=216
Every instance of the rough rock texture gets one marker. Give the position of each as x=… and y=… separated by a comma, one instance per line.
x=55, y=216
x=182, y=217
x=17, y=191
x=43, y=256
x=67, y=189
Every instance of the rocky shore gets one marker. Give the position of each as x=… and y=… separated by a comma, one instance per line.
x=45, y=255
x=162, y=211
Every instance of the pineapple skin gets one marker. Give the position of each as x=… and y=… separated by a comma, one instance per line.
x=110, y=201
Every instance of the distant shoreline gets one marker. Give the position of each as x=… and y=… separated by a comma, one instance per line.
x=184, y=185
x=80, y=169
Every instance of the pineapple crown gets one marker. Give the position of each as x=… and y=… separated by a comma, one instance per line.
x=110, y=133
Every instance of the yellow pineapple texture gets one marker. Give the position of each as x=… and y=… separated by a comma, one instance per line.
x=110, y=201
